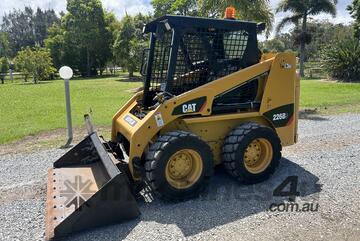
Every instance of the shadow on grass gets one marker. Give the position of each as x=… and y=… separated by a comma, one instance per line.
x=311, y=114
x=314, y=118
x=99, y=77
x=314, y=78
x=118, y=77
x=224, y=201
x=38, y=83
x=131, y=79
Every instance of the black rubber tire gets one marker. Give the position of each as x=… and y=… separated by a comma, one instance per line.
x=158, y=156
x=234, y=148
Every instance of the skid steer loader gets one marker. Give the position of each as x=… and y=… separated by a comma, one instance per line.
x=210, y=97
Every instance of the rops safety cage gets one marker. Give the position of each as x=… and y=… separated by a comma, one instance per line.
x=187, y=52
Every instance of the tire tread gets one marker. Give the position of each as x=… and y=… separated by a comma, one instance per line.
x=230, y=147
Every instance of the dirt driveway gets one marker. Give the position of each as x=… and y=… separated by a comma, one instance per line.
x=325, y=163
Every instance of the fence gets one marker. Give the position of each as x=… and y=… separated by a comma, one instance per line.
x=313, y=70
x=16, y=77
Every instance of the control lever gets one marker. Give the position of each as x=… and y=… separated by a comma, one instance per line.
x=163, y=96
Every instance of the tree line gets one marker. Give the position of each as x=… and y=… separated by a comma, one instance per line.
x=90, y=39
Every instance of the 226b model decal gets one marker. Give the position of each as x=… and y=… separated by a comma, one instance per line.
x=281, y=116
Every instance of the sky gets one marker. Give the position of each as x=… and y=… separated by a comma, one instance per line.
x=120, y=7
x=342, y=16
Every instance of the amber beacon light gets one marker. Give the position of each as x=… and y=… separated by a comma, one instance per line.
x=230, y=13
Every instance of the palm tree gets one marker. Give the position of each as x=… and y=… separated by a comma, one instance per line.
x=301, y=10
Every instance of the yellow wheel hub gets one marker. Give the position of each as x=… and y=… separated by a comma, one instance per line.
x=258, y=155
x=184, y=168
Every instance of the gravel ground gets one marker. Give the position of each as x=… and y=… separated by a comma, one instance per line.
x=326, y=161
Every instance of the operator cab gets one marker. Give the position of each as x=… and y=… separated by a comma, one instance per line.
x=188, y=52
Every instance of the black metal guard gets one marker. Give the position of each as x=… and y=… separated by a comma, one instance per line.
x=202, y=50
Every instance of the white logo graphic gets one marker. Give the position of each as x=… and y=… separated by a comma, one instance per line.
x=281, y=116
x=189, y=108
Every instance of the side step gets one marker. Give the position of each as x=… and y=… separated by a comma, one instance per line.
x=86, y=190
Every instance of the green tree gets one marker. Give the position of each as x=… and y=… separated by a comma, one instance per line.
x=56, y=43
x=35, y=62
x=255, y=10
x=42, y=20
x=64, y=50
x=130, y=43
x=113, y=25
x=87, y=33
x=341, y=60
x=122, y=45
x=84, y=37
x=354, y=10
x=301, y=11
x=18, y=26
x=139, y=21
x=274, y=46
x=182, y=7
x=4, y=44
x=26, y=28
x=4, y=67
x=134, y=62
x=322, y=33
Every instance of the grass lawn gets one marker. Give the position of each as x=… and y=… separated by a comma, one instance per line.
x=330, y=97
x=27, y=109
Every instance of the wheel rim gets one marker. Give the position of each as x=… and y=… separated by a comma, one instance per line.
x=184, y=169
x=258, y=155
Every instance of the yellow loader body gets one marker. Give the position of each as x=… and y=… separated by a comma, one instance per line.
x=279, y=97
x=210, y=97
